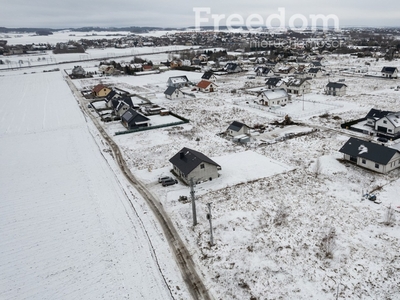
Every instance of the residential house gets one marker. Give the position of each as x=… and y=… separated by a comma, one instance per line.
x=231, y=67
x=389, y=125
x=370, y=155
x=78, y=72
x=389, y=72
x=375, y=115
x=131, y=119
x=101, y=91
x=275, y=83
x=335, y=89
x=236, y=128
x=314, y=72
x=190, y=164
x=316, y=64
x=287, y=70
x=264, y=71
x=209, y=75
x=299, y=86
x=178, y=81
x=273, y=97
x=173, y=93
x=206, y=86
x=123, y=105
x=112, y=95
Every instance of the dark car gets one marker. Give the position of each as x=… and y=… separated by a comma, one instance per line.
x=161, y=179
x=169, y=182
x=382, y=139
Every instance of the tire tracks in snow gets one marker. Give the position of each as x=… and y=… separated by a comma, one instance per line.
x=183, y=257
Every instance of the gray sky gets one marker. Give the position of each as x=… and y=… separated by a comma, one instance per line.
x=118, y=13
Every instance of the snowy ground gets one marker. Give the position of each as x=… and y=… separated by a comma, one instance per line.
x=257, y=253
x=273, y=205
x=68, y=230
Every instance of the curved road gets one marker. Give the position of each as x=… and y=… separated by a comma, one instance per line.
x=192, y=279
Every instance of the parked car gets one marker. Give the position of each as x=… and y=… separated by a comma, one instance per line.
x=169, y=182
x=161, y=179
x=382, y=139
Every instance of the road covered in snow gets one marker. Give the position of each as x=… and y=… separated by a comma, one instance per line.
x=68, y=228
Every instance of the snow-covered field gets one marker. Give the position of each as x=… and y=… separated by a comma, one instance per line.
x=259, y=253
x=68, y=230
x=273, y=205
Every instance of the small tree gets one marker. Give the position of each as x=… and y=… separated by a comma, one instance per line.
x=390, y=218
x=281, y=215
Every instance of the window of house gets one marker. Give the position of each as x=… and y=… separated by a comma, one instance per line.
x=390, y=130
x=202, y=166
x=384, y=122
x=363, y=161
x=377, y=166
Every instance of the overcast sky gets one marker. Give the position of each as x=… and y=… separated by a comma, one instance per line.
x=119, y=13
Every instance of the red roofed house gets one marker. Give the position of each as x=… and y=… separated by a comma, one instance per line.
x=206, y=86
x=101, y=90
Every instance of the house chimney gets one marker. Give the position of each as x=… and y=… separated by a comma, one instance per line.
x=181, y=155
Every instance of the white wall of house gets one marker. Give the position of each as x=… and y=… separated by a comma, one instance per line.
x=203, y=172
x=243, y=130
x=385, y=123
x=371, y=165
x=335, y=91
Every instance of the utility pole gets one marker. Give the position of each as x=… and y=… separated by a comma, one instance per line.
x=193, y=202
x=209, y=217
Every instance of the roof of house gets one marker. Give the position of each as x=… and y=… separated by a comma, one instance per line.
x=204, y=84
x=127, y=100
x=207, y=75
x=236, y=126
x=336, y=85
x=314, y=70
x=132, y=116
x=273, y=81
x=186, y=160
x=170, y=90
x=115, y=103
x=99, y=87
x=377, y=114
x=178, y=79
x=368, y=150
x=297, y=82
x=231, y=66
x=394, y=118
x=275, y=94
x=316, y=64
x=110, y=95
x=389, y=69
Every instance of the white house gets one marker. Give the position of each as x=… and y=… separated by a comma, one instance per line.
x=206, y=86
x=273, y=97
x=173, y=93
x=389, y=72
x=389, y=125
x=299, y=86
x=335, y=89
x=371, y=156
x=237, y=128
x=314, y=72
x=190, y=164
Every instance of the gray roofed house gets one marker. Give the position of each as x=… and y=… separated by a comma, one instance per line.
x=209, y=75
x=237, y=128
x=231, y=67
x=188, y=163
x=370, y=155
x=335, y=89
x=173, y=93
x=131, y=119
x=178, y=81
x=314, y=72
x=389, y=72
x=273, y=97
x=375, y=115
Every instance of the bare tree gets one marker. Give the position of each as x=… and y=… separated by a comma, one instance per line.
x=390, y=218
x=281, y=215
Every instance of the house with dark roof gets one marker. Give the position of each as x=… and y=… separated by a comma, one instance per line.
x=275, y=83
x=335, y=89
x=375, y=115
x=123, y=105
x=131, y=119
x=112, y=95
x=314, y=72
x=190, y=164
x=209, y=75
x=237, y=128
x=231, y=67
x=173, y=93
x=299, y=86
x=389, y=72
x=264, y=71
x=206, y=86
x=372, y=156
